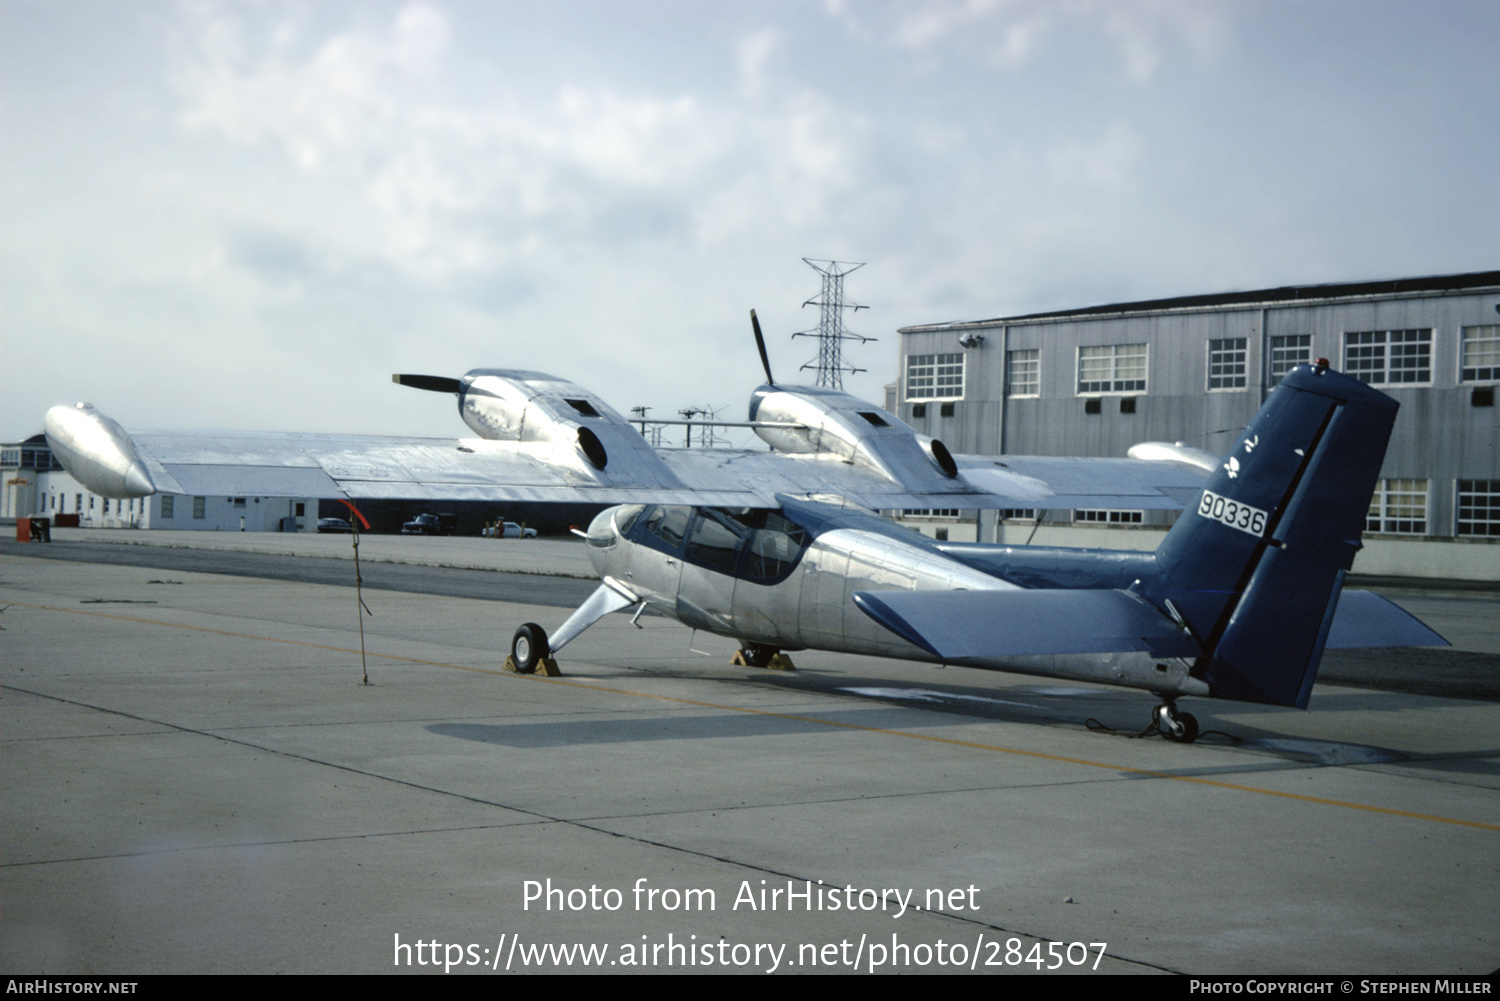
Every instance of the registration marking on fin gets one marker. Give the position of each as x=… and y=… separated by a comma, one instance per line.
x=1251, y=520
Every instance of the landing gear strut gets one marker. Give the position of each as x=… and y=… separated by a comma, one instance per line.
x=1178, y=727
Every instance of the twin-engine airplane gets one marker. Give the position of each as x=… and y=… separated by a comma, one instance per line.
x=782, y=549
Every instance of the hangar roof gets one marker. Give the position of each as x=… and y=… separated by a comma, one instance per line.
x=1285, y=293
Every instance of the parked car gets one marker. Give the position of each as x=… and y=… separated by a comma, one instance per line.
x=509, y=530
x=426, y=524
x=334, y=525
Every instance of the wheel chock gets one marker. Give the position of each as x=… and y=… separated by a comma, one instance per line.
x=778, y=662
x=546, y=667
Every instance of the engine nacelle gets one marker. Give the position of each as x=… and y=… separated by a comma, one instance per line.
x=833, y=422
x=517, y=405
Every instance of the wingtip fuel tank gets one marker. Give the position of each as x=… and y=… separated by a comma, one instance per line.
x=97, y=452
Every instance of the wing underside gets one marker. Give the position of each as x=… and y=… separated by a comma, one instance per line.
x=367, y=466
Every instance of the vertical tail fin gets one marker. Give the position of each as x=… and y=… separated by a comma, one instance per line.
x=1254, y=571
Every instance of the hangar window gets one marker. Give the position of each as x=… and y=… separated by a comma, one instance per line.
x=1112, y=368
x=934, y=377
x=1481, y=353
x=1399, y=507
x=1226, y=363
x=1024, y=373
x=168, y=503
x=198, y=504
x=1479, y=508
x=1107, y=517
x=1287, y=352
x=1389, y=357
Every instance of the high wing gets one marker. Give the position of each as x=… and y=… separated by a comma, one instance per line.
x=237, y=463
x=540, y=438
x=370, y=466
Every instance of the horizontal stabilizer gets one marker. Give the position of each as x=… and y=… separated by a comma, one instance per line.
x=984, y=625
x=1365, y=619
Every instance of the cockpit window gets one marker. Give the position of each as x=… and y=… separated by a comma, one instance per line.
x=669, y=523
x=625, y=518
x=774, y=548
x=715, y=544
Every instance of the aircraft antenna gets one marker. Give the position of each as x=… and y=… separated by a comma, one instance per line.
x=830, y=330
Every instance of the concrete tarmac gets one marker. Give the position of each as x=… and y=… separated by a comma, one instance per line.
x=194, y=780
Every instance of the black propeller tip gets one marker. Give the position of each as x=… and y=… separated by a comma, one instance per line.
x=431, y=383
x=760, y=342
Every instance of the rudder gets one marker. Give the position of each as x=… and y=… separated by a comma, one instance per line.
x=1255, y=571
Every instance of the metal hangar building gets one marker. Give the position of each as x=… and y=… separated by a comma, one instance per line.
x=1096, y=380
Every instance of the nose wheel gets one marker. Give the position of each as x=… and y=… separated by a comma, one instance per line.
x=529, y=651
x=1178, y=727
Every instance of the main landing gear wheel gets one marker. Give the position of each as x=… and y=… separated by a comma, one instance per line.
x=757, y=654
x=1180, y=728
x=528, y=648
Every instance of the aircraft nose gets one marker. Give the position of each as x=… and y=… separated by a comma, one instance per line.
x=601, y=533
x=604, y=543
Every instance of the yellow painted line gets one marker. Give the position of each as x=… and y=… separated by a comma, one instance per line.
x=1196, y=780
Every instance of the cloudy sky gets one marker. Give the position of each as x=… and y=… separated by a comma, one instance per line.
x=247, y=215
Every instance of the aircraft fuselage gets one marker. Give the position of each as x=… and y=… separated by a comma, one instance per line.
x=786, y=579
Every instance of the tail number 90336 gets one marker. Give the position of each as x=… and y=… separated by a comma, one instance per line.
x=1233, y=513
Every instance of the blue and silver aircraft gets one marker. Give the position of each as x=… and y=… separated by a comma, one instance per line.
x=783, y=549
x=1238, y=602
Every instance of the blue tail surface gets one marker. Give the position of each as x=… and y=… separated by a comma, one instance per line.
x=1254, y=571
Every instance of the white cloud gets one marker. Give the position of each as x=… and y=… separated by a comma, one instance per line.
x=1009, y=32
x=465, y=182
x=932, y=21
x=753, y=54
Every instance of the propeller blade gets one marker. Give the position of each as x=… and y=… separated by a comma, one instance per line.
x=431, y=383
x=760, y=342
